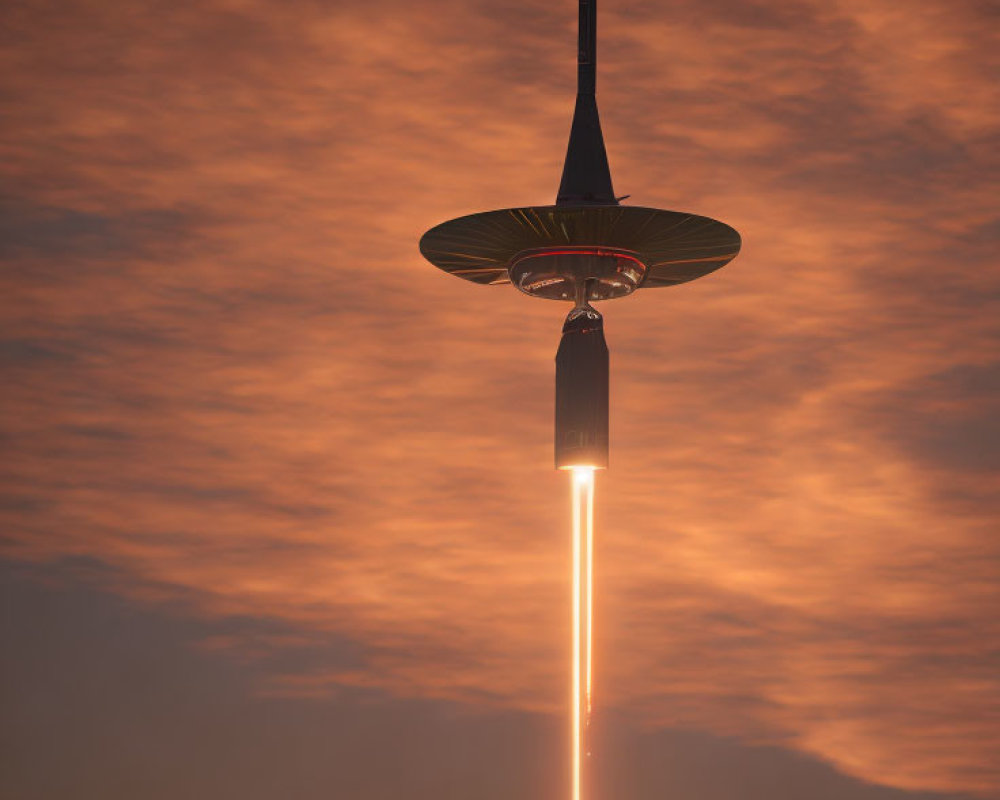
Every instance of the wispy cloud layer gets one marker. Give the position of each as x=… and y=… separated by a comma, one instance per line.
x=229, y=374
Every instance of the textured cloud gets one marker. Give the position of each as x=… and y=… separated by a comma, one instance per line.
x=142, y=713
x=230, y=376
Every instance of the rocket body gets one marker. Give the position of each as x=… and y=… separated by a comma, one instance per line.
x=582, y=392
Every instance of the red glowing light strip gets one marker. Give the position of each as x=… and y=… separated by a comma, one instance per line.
x=583, y=251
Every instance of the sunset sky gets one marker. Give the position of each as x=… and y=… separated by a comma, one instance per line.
x=278, y=517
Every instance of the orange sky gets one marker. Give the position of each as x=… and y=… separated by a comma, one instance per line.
x=231, y=377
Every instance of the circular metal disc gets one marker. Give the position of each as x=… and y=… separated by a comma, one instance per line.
x=676, y=247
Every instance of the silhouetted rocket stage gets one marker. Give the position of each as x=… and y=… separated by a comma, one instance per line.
x=582, y=391
x=585, y=248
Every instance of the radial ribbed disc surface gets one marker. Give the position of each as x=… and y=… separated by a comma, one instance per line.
x=676, y=247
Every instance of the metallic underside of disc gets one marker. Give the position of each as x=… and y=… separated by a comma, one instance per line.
x=676, y=247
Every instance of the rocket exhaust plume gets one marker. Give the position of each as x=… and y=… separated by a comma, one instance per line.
x=583, y=625
x=585, y=248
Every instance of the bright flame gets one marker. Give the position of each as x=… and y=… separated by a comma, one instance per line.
x=590, y=585
x=583, y=612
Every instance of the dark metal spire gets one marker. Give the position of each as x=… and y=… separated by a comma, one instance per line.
x=586, y=73
x=586, y=178
x=586, y=237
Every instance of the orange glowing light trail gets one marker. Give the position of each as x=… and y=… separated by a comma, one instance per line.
x=583, y=610
x=590, y=584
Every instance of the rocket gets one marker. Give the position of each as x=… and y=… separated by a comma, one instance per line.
x=586, y=248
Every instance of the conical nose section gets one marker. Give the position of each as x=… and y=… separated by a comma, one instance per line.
x=586, y=178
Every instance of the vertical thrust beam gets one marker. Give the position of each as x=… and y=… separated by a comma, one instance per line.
x=582, y=647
